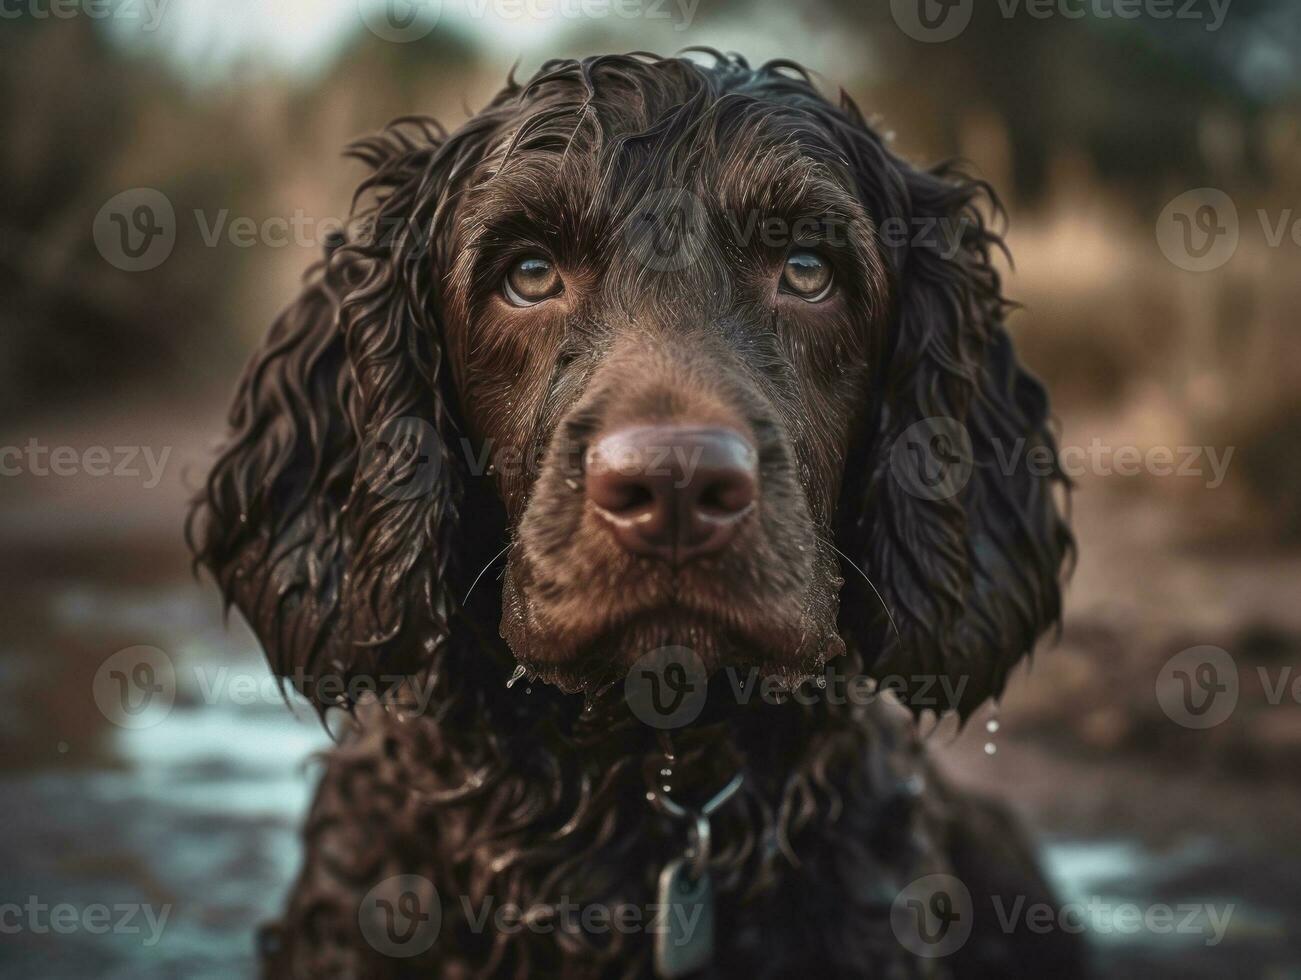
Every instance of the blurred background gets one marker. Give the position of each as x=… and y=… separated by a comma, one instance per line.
x=1151, y=169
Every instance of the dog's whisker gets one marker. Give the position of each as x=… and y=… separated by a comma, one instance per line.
x=866, y=579
x=482, y=573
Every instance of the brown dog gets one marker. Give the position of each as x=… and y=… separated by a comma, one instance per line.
x=721, y=376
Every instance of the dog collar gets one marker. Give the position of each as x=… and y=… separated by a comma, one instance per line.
x=685, y=890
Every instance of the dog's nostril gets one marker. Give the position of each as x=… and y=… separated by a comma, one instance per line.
x=712, y=498
x=727, y=496
x=629, y=496
x=672, y=492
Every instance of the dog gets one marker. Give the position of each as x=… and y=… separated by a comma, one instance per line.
x=688, y=359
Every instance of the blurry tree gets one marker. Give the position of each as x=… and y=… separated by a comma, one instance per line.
x=70, y=108
x=83, y=118
x=1139, y=99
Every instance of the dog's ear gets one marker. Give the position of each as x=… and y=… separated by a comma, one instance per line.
x=331, y=517
x=952, y=494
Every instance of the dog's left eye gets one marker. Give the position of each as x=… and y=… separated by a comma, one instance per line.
x=531, y=280
x=807, y=275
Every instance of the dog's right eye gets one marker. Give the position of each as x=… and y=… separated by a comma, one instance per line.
x=531, y=280
x=807, y=275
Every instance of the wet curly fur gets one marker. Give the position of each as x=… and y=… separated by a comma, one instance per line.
x=538, y=798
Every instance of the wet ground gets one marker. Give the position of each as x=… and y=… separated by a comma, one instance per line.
x=185, y=816
x=191, y=820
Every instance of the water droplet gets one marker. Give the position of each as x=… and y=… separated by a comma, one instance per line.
x=991, y=726
x=990, y=748
x=667, y=788
x=519, y=672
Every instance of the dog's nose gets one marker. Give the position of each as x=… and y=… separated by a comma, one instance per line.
x=670, y=491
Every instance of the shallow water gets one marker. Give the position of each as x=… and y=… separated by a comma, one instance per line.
x=185, y=829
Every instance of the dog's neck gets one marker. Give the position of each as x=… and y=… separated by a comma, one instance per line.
x=530, y=741
x=537, y=799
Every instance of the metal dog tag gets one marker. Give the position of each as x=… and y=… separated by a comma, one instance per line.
x=685, y=940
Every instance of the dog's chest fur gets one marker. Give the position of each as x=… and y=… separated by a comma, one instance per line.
x=533, y=861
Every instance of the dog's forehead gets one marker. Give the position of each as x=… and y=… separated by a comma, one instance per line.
x=562, y=170
x=635, y=133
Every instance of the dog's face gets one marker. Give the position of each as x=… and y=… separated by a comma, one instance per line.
x=666, y=367
x=665, y=326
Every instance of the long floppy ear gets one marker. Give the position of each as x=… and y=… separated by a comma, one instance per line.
x=330, y=518
x=952, y=495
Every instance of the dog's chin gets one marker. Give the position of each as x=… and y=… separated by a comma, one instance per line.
x=583, y=640
x=586, y=664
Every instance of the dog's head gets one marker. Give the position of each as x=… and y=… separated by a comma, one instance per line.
x=694, y=349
